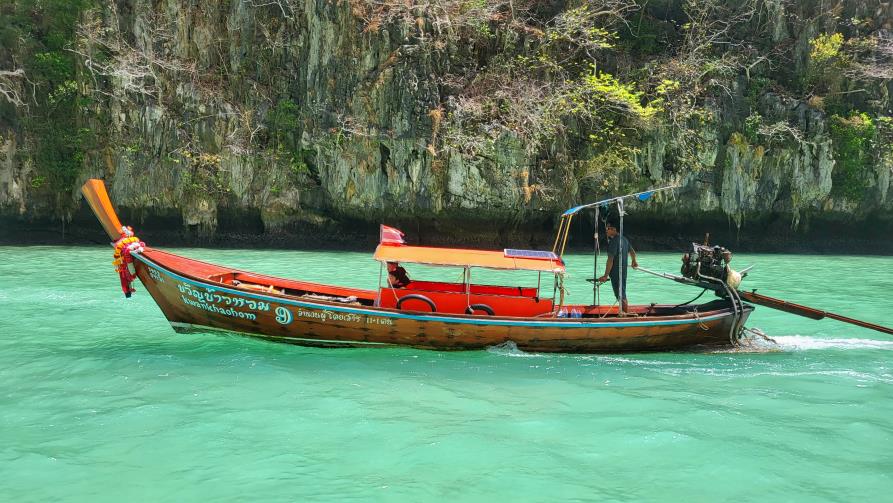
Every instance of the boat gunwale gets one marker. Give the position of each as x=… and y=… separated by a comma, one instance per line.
x=566, y=323
x=230, y=270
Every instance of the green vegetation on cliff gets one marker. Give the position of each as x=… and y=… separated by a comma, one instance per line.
x=447, y=110
x=852, y=137
x=38, y=36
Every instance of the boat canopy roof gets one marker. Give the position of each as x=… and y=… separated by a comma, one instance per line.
x=507, y=259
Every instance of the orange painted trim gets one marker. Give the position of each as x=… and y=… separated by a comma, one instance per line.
x=98, y=199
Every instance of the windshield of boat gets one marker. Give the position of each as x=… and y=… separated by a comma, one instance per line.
x=479, y=276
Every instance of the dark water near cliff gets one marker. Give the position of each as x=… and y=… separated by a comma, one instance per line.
x=769, y=233
x=100, y=400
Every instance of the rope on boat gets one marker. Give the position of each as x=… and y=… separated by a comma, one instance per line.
x=701, y=324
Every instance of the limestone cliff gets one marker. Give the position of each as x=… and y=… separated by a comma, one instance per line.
x=281, y=116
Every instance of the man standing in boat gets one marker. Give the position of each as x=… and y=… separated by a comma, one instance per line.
x=618, y=246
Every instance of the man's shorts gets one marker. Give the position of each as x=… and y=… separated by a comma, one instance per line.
x=615, y=281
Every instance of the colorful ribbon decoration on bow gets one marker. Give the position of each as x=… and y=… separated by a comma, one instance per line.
x=125, y=247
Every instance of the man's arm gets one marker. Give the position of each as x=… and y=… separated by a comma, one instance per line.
x=608, y=267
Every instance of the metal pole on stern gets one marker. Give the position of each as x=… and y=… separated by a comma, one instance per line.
x=621, y=257
x=595, y=300
x=558, y=235
x=468, y=287
x=378, y=293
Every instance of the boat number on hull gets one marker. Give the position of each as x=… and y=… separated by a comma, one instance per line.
x=283, y=315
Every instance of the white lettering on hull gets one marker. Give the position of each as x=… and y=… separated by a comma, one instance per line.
x=226, y=311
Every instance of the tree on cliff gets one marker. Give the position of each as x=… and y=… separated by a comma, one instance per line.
x=10, y=86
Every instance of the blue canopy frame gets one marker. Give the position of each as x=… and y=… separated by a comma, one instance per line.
x=641, y=196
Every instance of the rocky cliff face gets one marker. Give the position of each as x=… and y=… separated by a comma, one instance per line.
x=282, y=116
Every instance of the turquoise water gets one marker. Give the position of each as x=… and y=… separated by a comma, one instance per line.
x=101, y=401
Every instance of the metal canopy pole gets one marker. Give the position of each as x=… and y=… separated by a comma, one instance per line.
x=468, y=287
x=558, y=235
x=595, y=300
x=621, y=256
x=567, y=229
x=378, y=293
x=560, y=291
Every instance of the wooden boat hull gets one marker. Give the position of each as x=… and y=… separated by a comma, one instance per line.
x=191, y=301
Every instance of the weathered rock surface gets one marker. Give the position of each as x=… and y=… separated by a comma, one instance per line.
x=360, y=108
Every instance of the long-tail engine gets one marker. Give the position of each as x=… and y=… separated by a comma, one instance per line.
x=710, y=263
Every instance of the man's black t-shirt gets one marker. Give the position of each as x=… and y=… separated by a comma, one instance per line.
x=619, y=245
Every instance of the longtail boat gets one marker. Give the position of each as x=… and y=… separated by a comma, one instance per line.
x=464, y=315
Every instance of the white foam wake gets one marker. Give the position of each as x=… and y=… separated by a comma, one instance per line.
x=509, y=348
x=804, y=343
